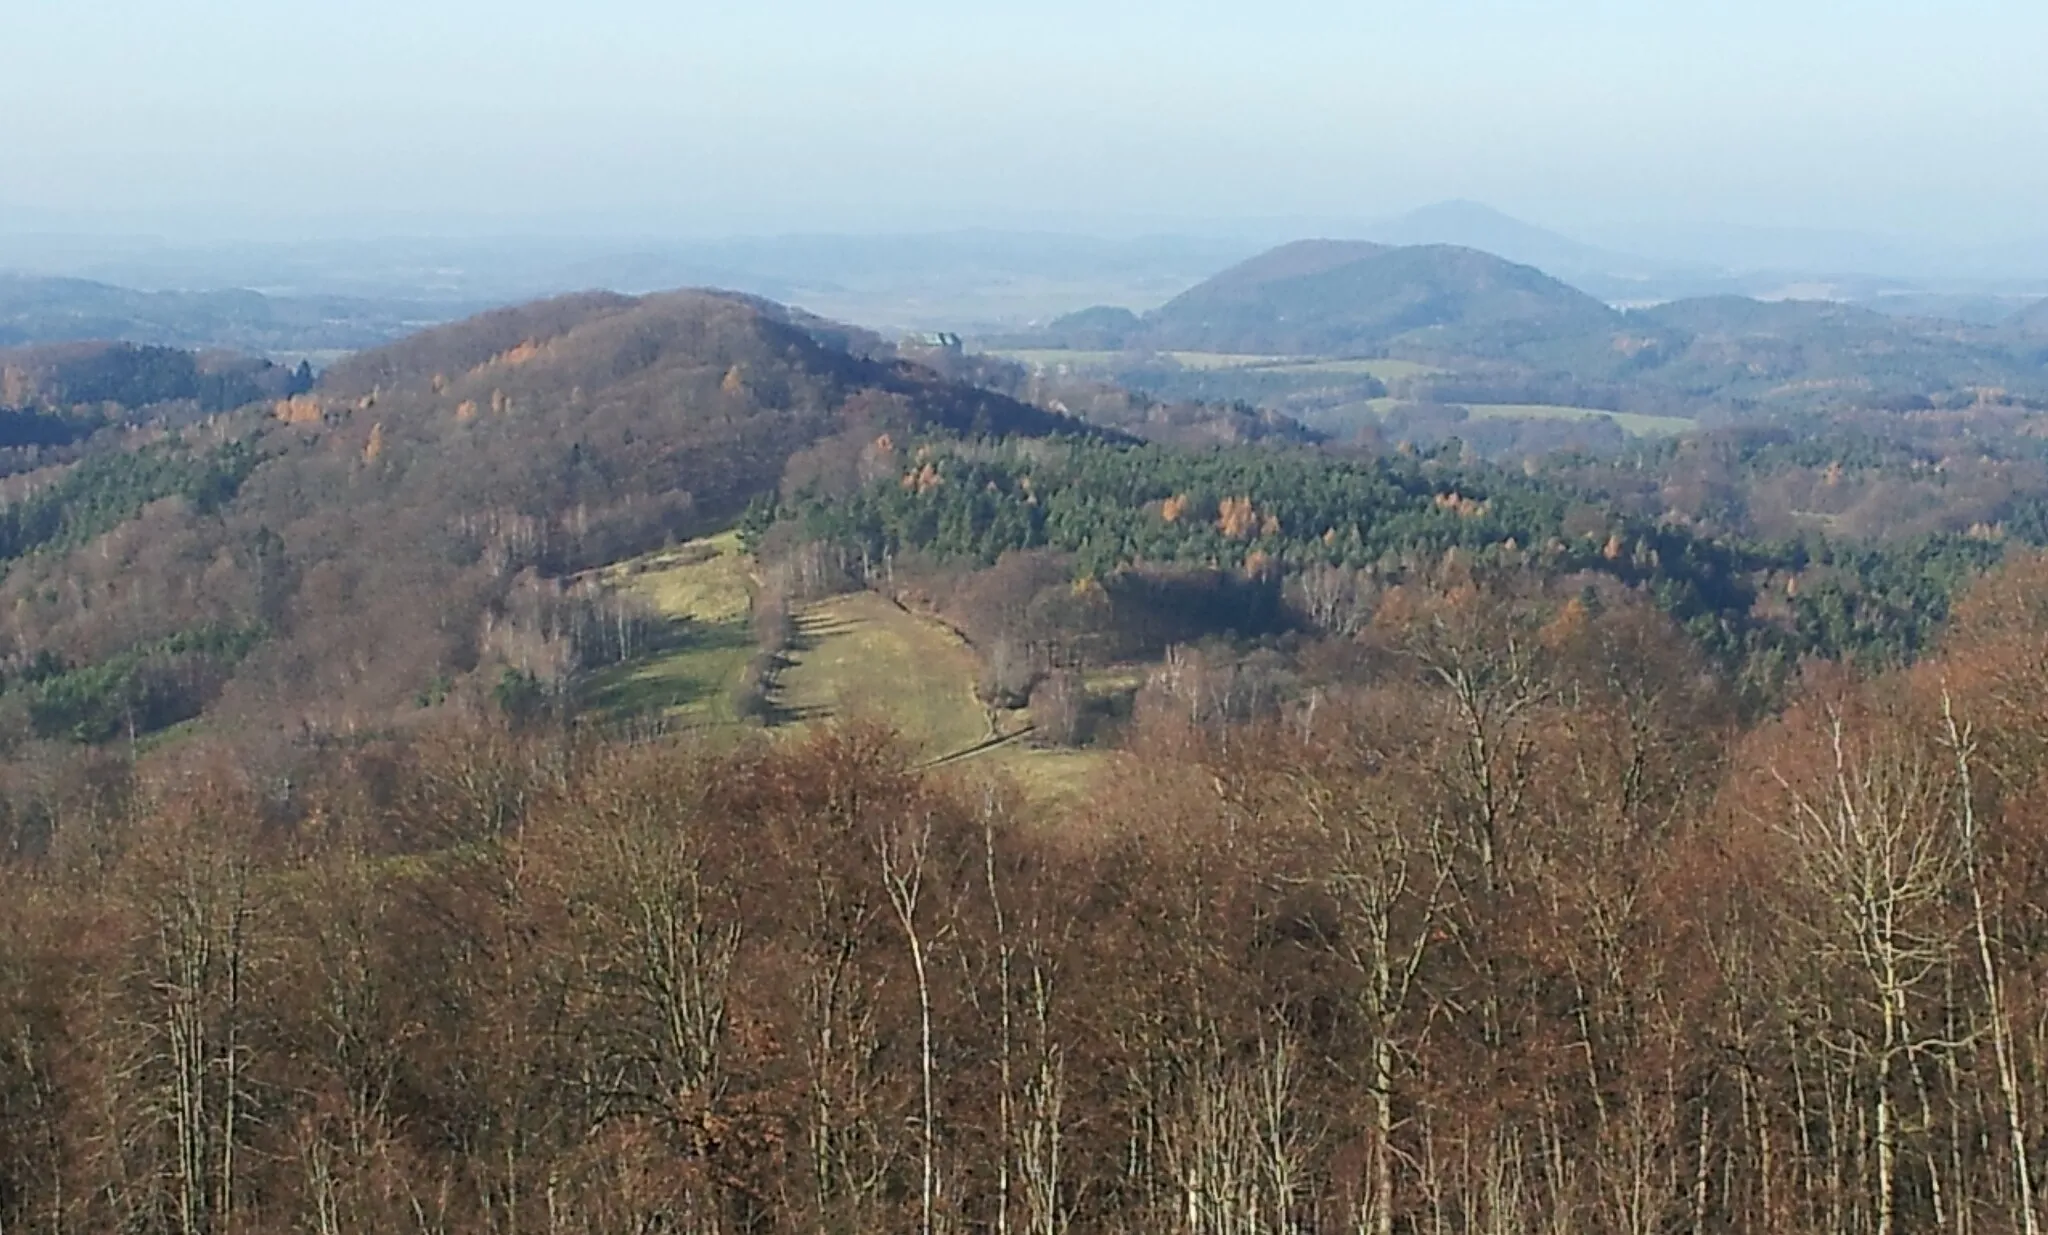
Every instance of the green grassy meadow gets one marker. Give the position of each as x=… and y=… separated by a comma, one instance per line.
x=1630, y=422
x=704, y=589
x=855, y=657
x=861, y=657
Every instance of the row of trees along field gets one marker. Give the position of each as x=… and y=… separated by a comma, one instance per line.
x=1523, y=933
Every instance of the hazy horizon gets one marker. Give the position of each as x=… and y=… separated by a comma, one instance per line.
x=230, y=120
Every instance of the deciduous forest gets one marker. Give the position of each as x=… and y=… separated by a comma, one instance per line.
x=1644, y=840
x=1527, y=933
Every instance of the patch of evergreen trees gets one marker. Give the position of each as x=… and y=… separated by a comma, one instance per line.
x=106, y=490
x=1115, y=507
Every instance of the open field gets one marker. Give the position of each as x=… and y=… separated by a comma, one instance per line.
x=1045, y=775
x=1349, y=417
x=1053, y=358
x=1104, y=361
x=1213, y=362
x=1630, y=422
x=855, y=657
x=861, y=656
x=688, y=682
x=705, y=580
x=703, y=589
x=1384, y=370
x=1209, y=361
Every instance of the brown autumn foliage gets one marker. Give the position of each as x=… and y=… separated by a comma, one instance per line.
x=1507, y=927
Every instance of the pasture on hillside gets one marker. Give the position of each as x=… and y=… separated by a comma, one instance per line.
x=856, y=657
x=703, y=588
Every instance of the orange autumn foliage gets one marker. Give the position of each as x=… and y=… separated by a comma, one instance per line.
x=298, y=410
x=923, y=480
x=1236, y=518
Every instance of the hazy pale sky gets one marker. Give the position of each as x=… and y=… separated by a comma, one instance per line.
x=767, y=115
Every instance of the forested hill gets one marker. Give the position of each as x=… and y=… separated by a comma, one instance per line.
x=1756, y=350
x=604, y=357
x=379, y=534
x=1328, y=298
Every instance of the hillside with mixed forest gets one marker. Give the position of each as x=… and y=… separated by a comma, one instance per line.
x=432, y=521
x=397, y=525
x=675, y=764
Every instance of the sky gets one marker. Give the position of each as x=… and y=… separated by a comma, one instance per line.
x=276, y=119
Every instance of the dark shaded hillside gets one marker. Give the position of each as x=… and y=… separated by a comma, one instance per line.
x=1328, y=298
x=398, y=531
x=2032, y=320
x=136, y=377
x=61, y=403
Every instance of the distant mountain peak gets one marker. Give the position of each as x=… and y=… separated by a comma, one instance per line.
x=1462, y=210
x=1475, y=225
